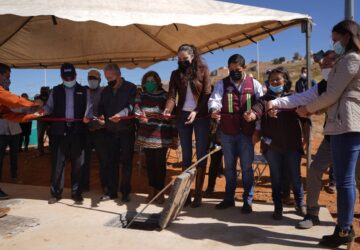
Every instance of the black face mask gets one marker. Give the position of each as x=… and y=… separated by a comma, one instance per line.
x=112, y=83
x=184, y=65
x=236, y=75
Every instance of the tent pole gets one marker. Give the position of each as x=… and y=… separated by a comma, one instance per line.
x=309, y=78
x=258, y=61
x=45, y=77
x=349, y=10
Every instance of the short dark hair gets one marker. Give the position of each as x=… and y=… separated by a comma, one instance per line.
x=286, y=76
x=4, y=68
x=303, y=68
x=237, y=58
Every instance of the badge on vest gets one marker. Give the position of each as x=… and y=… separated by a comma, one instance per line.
x=79, y=93
x=230, y=103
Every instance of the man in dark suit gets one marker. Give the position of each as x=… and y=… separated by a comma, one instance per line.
x=67, y=100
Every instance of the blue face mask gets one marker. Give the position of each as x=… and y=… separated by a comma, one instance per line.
x=277, y=89
x=338, y=48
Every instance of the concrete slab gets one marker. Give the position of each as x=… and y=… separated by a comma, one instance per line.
x=68, y=226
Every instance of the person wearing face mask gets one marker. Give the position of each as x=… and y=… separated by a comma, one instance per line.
x=322, y=159
x=96, y=135
x=341, y=101
x=155, y=134
x=10, y=101
x=42, y=126
x=117, y=101
x=67, y=100
x=231, y=97
x=301, y=84
x=191, y=83
x=281, y=141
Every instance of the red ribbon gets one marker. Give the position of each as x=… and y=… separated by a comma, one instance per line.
x=122, y=118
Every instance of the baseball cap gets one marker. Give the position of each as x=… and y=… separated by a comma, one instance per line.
x=67, y=70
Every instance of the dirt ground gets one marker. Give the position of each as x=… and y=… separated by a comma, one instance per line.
x=35, y=170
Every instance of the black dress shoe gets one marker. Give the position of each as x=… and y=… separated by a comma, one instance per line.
x=3, y=195
x=338, y=238
x=53, y=200
x=278, y=214
x=246, y=209
x=225, y=204
x=77, y=198
x=125, y=198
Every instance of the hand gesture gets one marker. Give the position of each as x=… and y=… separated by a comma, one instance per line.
x=115, y=118
x=249, y=116
x=302, y=111
x=191, y=117
x=216, y=115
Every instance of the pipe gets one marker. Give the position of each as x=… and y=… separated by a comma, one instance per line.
x=309, y=78
x=349, y=10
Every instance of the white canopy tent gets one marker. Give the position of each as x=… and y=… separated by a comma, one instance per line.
x=91, y=33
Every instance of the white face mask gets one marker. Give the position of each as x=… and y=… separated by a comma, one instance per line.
x=93, y=84
x=303, y=75
x=70, y=84
x=325, y=73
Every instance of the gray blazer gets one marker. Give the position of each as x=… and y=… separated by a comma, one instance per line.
x=342, y=97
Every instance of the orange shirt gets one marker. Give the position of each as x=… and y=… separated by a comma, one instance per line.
x=9, y=100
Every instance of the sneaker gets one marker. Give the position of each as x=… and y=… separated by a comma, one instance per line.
x=3, y=195
x=278, y=214
x=300, y=210
x=246, y=209
x=308, y=222
x=331, y=188
x=53, y=200
x=225, y=204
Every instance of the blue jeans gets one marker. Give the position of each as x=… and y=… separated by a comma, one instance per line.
x=290, y=161
x=234, y=146
x=201, y=127
x=345, y=151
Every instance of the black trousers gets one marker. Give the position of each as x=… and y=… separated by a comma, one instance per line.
x=71, y=146
x=95, y=140
x=13, y=142
x=24, y=139
x=156, y=166
x=121, y=149
x=215, y=168
x=42, y=127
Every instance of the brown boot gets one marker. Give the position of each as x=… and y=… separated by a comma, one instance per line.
x=200, y=176
x=4, y=211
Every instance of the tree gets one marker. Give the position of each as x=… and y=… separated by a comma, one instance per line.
x=282, y=59
x=297, y=56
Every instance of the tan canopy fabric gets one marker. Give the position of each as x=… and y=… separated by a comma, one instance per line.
x=91, y=33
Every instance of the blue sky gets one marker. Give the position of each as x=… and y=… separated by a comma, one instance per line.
x=325, y=14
